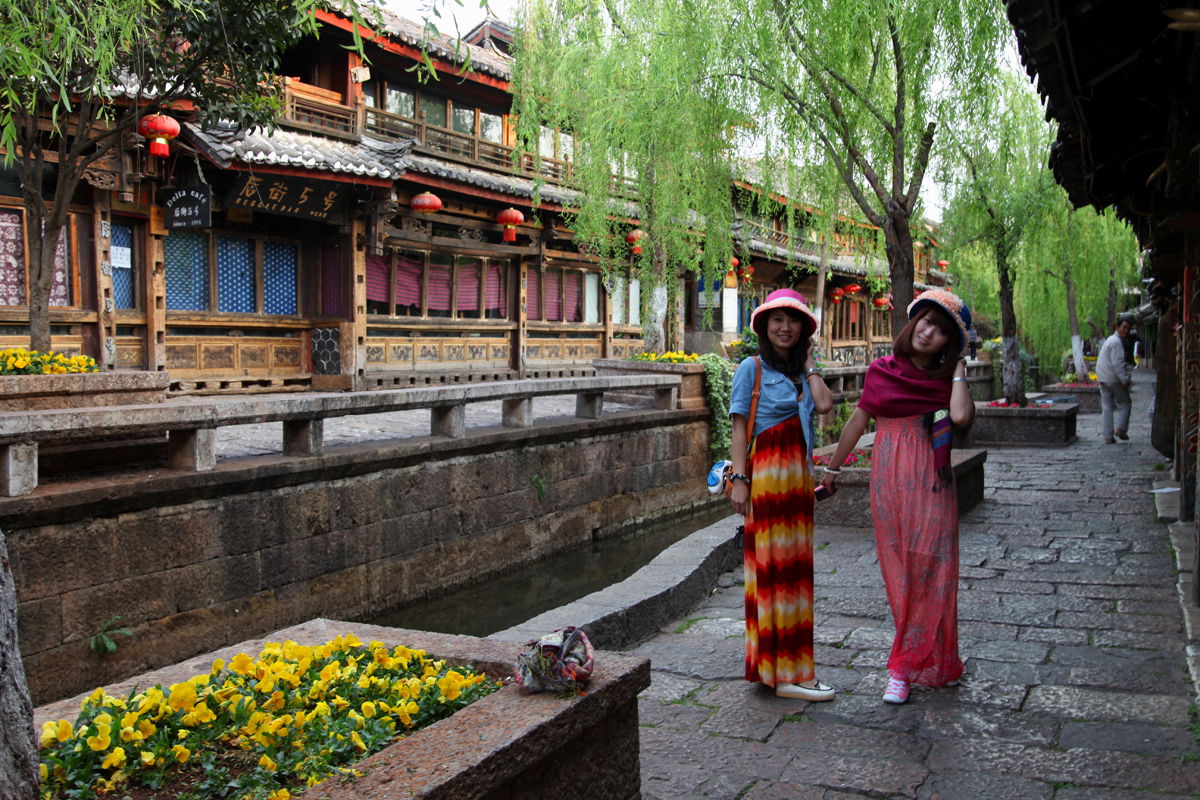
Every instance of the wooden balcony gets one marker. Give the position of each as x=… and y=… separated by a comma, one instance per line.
x=319, y=110
x=312, y=108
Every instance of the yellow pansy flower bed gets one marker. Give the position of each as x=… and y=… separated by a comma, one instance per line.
x=253, y=729
x=674, y=357
x=19, y=361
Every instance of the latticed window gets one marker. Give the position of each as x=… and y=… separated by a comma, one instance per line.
x=881, y=324
x=14, y=278
x=436, y=285
x=849, y=317
x=237, y=266
x=124, y=266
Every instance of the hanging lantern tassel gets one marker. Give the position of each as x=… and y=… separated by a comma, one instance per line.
x=160, y=130
x=510, y=218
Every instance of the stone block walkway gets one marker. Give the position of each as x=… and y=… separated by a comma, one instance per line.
x=1076, y=687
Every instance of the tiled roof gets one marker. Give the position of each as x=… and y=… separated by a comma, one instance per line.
x=370, y=158
x=485, y=60
x=494, y=181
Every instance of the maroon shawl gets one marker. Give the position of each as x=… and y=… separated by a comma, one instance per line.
x=895, y=387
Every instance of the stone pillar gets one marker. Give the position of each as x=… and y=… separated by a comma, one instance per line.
x=193, y=450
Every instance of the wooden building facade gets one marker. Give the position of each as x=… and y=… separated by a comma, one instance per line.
x=313, y=257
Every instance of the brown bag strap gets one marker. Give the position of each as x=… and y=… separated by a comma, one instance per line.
x=754, y=402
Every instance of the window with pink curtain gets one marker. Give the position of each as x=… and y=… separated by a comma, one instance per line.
x=573, y=291
x=533, y=293
x=439, y=285
x=467, y=278
x=495, y=297
x=378, y=279
x=552, y=294
x=410, y=267
x=331, y=280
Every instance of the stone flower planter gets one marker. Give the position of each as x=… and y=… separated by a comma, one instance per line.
x=691, y=387
x=1051, y=425
x=851, y=506
x=81, y=390
x=1088, y=397
x=506, y=746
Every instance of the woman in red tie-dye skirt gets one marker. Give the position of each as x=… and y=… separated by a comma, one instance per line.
x=773, y=487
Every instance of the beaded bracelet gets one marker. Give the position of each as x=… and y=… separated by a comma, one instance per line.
x=832, y=471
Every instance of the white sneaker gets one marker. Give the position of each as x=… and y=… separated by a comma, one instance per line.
x=896, y=691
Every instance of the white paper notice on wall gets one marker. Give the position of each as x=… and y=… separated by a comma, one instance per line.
x=122, y=257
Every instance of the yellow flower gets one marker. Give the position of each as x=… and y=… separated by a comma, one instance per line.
x=359, y=744
x=242, y=664
x=183, y=696
x=181, y=753
x=56, y=731
x=368, y=709
x=266, y=763
x=280, y=794
x=147, y=758
x=114, y=759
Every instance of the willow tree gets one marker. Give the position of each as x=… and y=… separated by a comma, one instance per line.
x=1077, y=260
x=651, y=148
x=999, y=186
x=685, y=88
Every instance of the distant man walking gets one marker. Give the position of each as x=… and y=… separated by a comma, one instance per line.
x=1112, y=370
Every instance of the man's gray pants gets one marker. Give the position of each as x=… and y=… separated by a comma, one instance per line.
x=1114, y=397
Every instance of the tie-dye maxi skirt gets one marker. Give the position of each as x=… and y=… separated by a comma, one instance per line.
x=916, y=540
x=779, y=558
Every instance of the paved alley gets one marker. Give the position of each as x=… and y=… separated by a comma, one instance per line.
x=1076, y=685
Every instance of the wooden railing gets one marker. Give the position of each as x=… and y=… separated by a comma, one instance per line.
x=191, y=427
x=320, y=110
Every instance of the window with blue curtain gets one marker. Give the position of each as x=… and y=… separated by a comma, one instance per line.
x=235, y=274
x=123, y=266
x=187, y=271
x=279, y=278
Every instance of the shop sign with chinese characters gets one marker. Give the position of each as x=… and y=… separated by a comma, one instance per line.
x=293, y=197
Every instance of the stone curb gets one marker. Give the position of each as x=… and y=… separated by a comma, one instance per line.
x=1183, y=539
x=626, y=613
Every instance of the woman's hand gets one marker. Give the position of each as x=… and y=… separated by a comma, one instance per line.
x=829, y=479
x=740, y=497
x=960, y=371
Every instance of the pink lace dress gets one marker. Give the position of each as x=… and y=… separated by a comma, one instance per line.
x=916, y=540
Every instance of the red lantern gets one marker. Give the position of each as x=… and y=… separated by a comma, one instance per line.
x=853, y=288
x=633, y=237
x=159, y=129
x=510, y=218
x=733, y=262
x=835, y=294
x=880, y=302
x=943, y=264
x=426, y=203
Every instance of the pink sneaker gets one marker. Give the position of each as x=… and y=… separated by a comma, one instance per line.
x=896, y=691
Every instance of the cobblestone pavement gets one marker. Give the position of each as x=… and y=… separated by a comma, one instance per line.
x=1076, y=686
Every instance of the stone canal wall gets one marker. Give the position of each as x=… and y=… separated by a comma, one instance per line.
x=193, y=561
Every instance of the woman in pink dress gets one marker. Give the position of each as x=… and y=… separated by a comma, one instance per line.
x=917, y=395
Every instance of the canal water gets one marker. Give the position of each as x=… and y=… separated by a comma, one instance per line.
x=510, y=599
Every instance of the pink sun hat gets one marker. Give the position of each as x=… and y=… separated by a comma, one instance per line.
x=783, y=298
